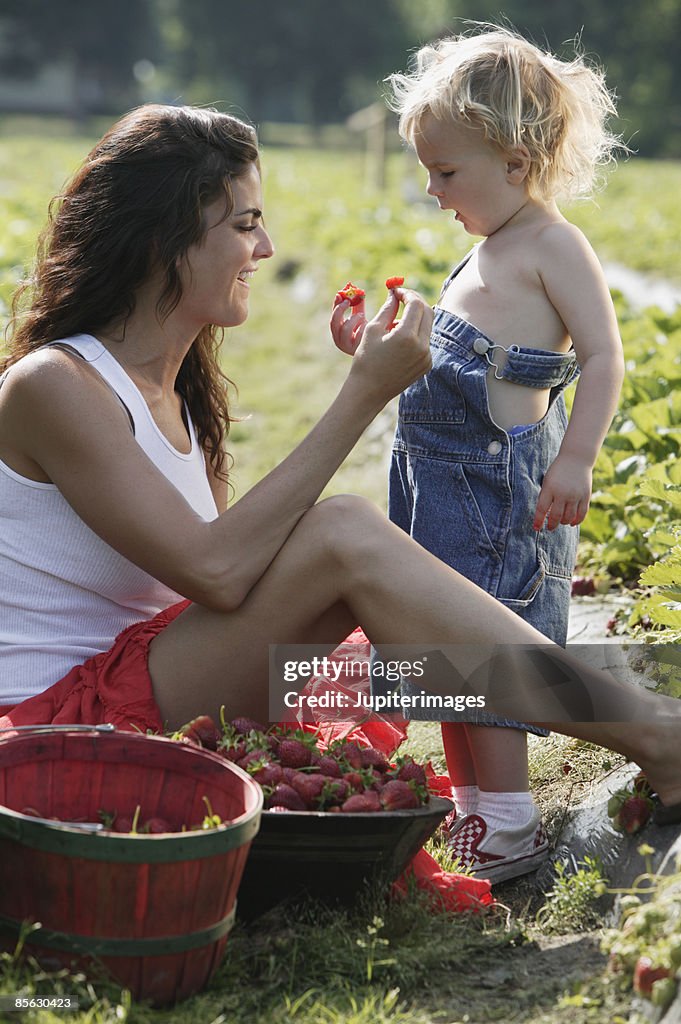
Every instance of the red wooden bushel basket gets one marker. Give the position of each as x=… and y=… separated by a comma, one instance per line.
x=155, y=910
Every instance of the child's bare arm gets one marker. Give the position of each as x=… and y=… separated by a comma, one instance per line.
x=575, y=284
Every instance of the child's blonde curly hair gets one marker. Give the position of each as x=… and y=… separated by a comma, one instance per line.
x=517, y=94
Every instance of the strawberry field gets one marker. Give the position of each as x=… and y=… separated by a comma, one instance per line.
x=400, y=962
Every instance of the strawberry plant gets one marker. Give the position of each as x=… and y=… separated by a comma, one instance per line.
x=645, y=948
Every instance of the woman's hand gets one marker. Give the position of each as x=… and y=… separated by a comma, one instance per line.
x=391, y=356
x=347, y=331
x=388, y=356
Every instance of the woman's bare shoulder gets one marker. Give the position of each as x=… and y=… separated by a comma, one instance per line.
x=50, y=381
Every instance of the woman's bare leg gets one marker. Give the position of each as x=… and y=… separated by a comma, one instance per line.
x=346, y=564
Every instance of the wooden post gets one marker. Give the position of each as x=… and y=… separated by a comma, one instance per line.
x=372, y=120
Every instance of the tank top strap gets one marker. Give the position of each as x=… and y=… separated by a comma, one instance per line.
x=79, y=345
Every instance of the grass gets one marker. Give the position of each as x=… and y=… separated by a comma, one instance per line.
x=314, y=966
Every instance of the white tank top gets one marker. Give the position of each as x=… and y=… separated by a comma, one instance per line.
x=64, y=593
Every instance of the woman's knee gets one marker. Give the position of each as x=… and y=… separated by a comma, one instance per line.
x=347, y=525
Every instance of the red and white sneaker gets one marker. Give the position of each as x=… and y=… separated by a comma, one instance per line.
x=501, y=853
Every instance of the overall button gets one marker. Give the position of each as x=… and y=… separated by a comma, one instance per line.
x=481, y=345
x=494, y=447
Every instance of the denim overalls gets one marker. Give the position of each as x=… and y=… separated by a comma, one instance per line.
x=466, y=489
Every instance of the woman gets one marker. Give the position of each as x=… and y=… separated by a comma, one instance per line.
x=112, y=472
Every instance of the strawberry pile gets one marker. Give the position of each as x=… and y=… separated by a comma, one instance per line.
x=631, y=807
x=134, y=824
x=296, y=774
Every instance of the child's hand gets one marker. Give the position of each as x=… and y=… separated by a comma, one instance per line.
x=565, y=493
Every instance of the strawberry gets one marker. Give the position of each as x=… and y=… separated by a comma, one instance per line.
x=257, y=757
x=632, y=814
x=372, y=758
x=188, y=735
x=352, y=293
x=123, y=823
x=266, y=773
x=348, y=753
x=235, y=751
x=645, y=975
x=642, y=786
x=155, y=826
x=294, y=754
x=310, y=788
x=335, y=792
x=394, y=282
x=355, y=781
x=246, y=725
x=583, y=586
x=329, y=766
x=286, y=796
x=408, y=769
x=362, y=803
x=202, y=730
x=397, y=795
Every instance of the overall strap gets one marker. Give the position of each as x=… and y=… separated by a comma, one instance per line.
x=459, y=266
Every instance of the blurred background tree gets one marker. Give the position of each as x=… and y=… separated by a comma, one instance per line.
x=311, y=62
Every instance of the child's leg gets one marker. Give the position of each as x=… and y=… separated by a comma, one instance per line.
x=501, y=837
x=489, y=772
x=500, y=758
x=460, y=766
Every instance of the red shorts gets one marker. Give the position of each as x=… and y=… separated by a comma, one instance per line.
x=113, y=686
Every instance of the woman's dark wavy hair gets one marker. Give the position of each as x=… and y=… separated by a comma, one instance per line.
x=135, y=205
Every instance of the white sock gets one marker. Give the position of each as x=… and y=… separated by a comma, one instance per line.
x=466, y=798
x=505, y=810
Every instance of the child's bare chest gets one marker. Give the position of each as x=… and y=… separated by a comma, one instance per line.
x=506, y=301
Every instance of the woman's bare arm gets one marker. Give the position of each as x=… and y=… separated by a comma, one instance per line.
x=70, y=426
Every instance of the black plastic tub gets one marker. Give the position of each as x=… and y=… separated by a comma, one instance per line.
x=331, y=857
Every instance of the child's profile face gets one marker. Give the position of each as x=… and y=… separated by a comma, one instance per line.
x=468, y=174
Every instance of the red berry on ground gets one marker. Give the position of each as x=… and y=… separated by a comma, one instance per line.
x=583, y=586
x=632, y=815
x=645, y=974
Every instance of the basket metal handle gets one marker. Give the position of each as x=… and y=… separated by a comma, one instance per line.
x=102, y=727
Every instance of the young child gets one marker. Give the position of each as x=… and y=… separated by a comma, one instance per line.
x=486, y=472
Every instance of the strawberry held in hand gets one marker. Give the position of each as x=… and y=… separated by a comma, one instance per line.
x=351, y=293
x=394, y=282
